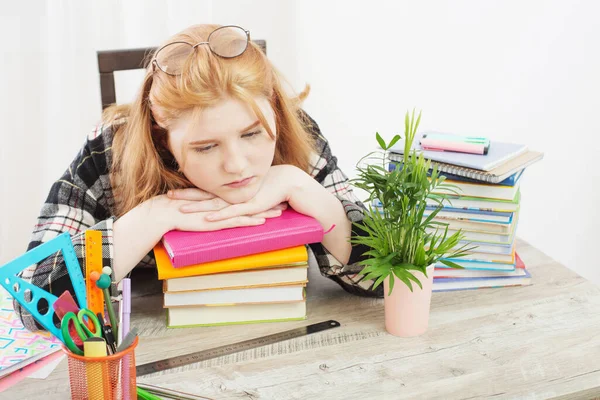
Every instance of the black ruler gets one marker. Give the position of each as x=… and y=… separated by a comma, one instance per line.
x=179, y=361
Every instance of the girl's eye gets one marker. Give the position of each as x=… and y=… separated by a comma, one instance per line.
x=210, y=147
x=251, y=134
x=203, y=149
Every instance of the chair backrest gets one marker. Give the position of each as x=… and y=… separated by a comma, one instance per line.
x=110, y=61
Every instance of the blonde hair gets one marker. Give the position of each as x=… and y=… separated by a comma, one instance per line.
x=143, y=166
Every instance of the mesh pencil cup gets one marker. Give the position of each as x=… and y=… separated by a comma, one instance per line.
x=104, y=378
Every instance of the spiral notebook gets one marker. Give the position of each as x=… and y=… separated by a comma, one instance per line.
x=288, y=230
x=495, y=175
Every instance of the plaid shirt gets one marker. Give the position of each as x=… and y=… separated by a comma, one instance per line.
x=82, y=199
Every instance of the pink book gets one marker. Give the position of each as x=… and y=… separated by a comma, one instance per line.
x=288, y=230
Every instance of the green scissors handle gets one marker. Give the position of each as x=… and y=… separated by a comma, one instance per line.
x=80, y=328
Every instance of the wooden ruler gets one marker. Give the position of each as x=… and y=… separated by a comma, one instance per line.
x=203, y=355
x=93, y=262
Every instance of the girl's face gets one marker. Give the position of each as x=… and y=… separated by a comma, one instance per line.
x=227, y=151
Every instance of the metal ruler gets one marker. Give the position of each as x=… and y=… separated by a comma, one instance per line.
x=93, y=262
x=204, y=355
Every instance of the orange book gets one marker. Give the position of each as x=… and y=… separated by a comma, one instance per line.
x=290, y=257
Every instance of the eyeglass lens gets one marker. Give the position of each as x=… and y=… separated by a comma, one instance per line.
x=226, y=42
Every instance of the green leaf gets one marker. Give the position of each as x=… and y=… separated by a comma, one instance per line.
x=391, y=283
x=406, y=281
x=380, y=141
x=394, y=141
x=451, y=264
x=379, y=281
x=414, y=279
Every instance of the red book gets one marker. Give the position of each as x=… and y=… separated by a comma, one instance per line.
x=288, y=230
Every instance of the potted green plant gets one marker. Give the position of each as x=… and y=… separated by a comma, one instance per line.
x=402, y=245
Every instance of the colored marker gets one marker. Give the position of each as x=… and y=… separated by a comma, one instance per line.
x=98, y=383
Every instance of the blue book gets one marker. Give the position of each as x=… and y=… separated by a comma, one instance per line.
x=466, y=213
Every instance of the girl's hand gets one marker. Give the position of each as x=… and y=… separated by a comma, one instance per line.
x=166, y=212
x=192, y=201
x=277, y=189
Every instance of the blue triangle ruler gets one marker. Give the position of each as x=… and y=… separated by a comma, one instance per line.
x=17, y=286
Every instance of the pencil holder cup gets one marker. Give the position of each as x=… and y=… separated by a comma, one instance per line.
x=103, y=378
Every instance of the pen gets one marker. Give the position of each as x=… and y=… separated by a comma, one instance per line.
x=98, y=384
x=146, y=395
x=168, y=393
x=103, y=331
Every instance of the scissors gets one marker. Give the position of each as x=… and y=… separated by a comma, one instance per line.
x=79, y=322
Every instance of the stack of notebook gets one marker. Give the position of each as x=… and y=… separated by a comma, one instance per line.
x=238, y=275
x=486, y=209
x=23, y=353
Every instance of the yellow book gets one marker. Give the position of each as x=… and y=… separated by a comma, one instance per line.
x=290, y=257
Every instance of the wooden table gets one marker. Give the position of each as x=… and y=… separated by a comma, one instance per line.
x=536, y=342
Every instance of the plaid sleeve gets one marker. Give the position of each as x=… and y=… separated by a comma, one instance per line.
x=81, y=199
x=326, y=172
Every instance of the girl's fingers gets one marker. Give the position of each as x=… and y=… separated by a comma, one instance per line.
x=272, y=213
x=281, y=206
x=232, y=211
x=214, y=204
x=193, y=194
x=237, y=221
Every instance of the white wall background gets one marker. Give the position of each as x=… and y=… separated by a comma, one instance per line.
x=523, y=71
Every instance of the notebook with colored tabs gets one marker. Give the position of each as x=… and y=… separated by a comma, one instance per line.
x=288, y=230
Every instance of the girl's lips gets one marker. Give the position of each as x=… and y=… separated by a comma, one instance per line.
x=241, y=183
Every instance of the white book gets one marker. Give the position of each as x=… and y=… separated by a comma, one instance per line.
x=460, y=214
x=466, y=225
x=238, y=314
x=478, y=237
x=488, y=248
x=235, y=296
x=239, y=279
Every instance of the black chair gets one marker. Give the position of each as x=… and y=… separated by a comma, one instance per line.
x=110, y=61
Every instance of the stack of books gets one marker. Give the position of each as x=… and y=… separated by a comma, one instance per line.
x=238, y=275
x=486, y=209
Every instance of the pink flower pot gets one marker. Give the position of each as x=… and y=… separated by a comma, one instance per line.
x=406, y=312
